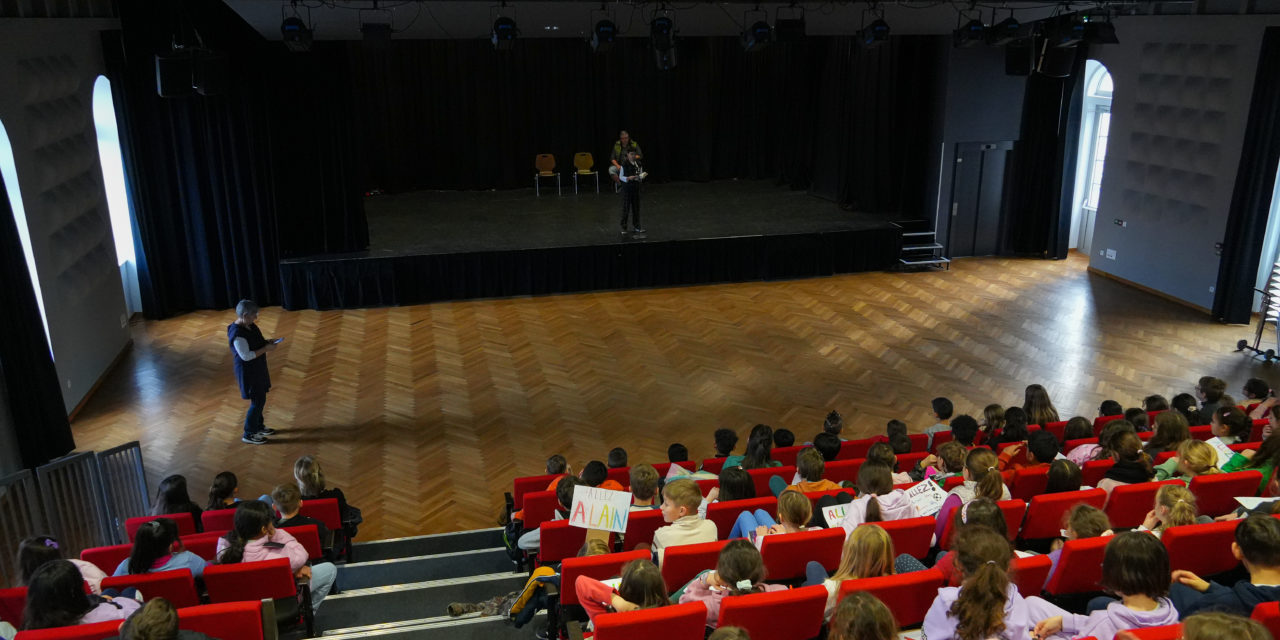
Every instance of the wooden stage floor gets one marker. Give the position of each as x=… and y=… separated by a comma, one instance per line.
x=424, y=414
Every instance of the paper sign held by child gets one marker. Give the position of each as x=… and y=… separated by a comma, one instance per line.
x=1224, y=452
x=834, y=514
x=927, y=497
x=595, y=508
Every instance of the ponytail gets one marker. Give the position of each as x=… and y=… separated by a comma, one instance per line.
x=873, y=510
x=235, y=549
x=981, y=464
x=983, y=557
x=251, y=518
x=874, y=479
x=1181, y=504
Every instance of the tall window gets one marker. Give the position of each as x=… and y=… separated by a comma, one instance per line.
x=104, y=122
x=1099, y=103
x=9, y=171
x=1095, y=126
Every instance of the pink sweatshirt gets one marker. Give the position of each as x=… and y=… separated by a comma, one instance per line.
x=893, y=506
x=698, y=591
x=255, y=550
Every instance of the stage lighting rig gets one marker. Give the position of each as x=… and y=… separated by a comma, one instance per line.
x=296, y=33
x=662, y=30
x=1098, y=28
x=504, y=33
x=1062, y=31
x=759, y=34
x=875, y=33
x=602, y=35
x=970, y=34
x=1004, y=32
x=790, y=28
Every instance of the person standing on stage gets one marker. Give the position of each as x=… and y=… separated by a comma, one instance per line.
x=631, y=175
x=619, y=154
x=250, y=350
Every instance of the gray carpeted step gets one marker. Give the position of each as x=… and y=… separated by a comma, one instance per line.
x=380, y=573
x=473, y=628
x=428, y=545
x=363, y=607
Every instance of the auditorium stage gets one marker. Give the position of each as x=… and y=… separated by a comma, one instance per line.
x=428, y=246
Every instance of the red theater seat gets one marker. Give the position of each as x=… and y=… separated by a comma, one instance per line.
x=239, y=620
x=309, y=537
x=1092, y=471
x=1129, y=503
x=530, y=484
x=1167, y=632
x=794, y=614
x=787, y=455
x=682, y=563
x=264, y=580
x=760, y=477
x=177, y=586
x=219, y=519
x=1268, y=613
x=786, y=554
x=908, y=595
x=186, y=524
x=106, y=558
x=1216, y=493
x=1029, y=483
x=843, y=470
x=1203, y=549
x=204, y=545
x=640, y=528
x=1079, y=567
x=912, y=536
x=724, y=514
x=1045, y=512
x=12, y=602
x=598, y=567
x=677, y=622
x=1029, y=574
x=95, y=631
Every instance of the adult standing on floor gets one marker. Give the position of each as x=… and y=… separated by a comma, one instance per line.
x=619, y=153
x=250, y=350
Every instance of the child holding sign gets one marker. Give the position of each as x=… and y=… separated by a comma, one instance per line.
x=641, y=588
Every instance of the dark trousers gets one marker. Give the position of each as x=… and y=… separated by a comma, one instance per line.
x=253, y=417
x=631, y=205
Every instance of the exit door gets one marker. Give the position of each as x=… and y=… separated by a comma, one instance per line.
x=977, y=199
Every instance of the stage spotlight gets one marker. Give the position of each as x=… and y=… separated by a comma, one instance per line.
x=1099, y=31
x=1004, y=32
x=1063, y=31
x=874, y=34
x=297, y=37
x=602, y=36
x=970, y=34
x=504, y=33
x=757, y=37
x=662, y=37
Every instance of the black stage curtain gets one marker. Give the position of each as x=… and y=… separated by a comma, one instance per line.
x=35, y=397
x=1251, y=199
x=821, y=113
x=223, y=185
x=1043, y=169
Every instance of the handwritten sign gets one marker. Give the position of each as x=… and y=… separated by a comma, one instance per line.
x=1224, y=452
x=834, y=514
x=927, y=497
x=595, y=508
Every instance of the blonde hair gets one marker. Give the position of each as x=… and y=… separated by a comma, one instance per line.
x=868, y=553
x=1181, y=504
x=794, y=508
x=683, y=493
x=309, y=475
x=1198, y=458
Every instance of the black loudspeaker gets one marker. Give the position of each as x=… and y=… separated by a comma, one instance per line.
x=1056, y=62
x=173, y=74
x=209, y=73
x=1017, y=58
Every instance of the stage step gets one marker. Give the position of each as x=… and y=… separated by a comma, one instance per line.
x=428, y=545
x=918, y=234
x=924, y=261
x=445, y=628
x=921, y=247
x=440, y=566
x=411, y=601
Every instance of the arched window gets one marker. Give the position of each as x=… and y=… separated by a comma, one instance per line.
x=104, y=122
x=1097, y=109
x=9, y=172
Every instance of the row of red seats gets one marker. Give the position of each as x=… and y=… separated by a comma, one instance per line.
x=239, y=620
x=325, y=510
x=1203, y=549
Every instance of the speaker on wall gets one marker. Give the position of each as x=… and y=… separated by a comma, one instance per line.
x=173, y=74
x=1056, y=62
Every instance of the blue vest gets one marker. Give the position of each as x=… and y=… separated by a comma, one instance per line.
x=252, y=374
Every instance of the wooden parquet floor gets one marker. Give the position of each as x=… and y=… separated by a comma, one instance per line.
x=424, y=414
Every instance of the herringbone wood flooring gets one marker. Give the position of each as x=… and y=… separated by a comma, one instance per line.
x=424, y=414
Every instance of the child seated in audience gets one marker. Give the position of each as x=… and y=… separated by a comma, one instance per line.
x=964, y=429
x=1037, y=405
x=1257, y=545
x=156, y=548
x=1155, y=402
x=1217, y=626
x=288, y=501
x=1110, y=408
x=726, y=440
x=531, y=539
x=900, y=443
x=1263, y=460
x=877, y=500
x=680, y=502
x=156, y=620
x=1185, y=404
x=883, y=454
x=641, y=588
x=739, y=571
x=794, y=511
x=1083, y=521
x=862, y=616
x=1135, y=567
x=1040, y=449
x=37, y=551
x=556, y=466
x=644, y=487
x=255, y=537
x=759, y=453
x=979, y=513
x=784, y=438
x=677, y=453
x=986, y=604
x=1210, y=391
x=1230, y=425
x=224, y=492
x=617, y=458
x=762, y=433
x=833, y=424
x=828, y=445
x=810, y=467
x=942, y=411
x=1079, y=428
x=56, y=598
x=981, y=480
x=1064, y=476
x=729, y=633
x=948, y=463
x=1015, y=429
x=734, y=484
x=172, y=498
x=1132, y=464
x=892, y=428
x=595, y=474
x=1138, y=418
x=1175, y=506
x=992, y=421
x=868, y=553
x=1195, y=458
x=311, y=482
x=1171, y=430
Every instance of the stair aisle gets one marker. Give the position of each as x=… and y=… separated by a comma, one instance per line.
x=398, y=589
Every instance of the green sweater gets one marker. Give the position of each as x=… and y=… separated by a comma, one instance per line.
x=1169, y=469
x=1240, y=463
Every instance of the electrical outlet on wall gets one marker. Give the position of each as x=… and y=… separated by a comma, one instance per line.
x=124, y=321
x=1111, y=254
